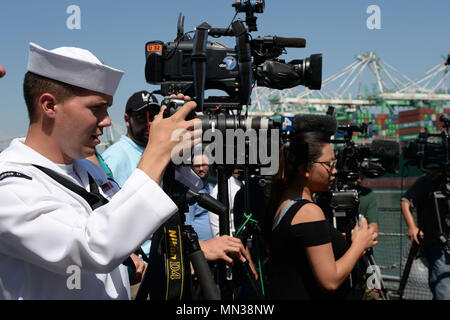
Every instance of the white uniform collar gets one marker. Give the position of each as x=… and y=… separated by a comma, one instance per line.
x=19, y=153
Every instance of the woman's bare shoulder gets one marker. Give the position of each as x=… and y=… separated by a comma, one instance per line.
x=308, y=213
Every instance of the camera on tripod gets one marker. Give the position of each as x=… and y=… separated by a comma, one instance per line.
x=429, y=155
x=370, y=161
x=354, y=162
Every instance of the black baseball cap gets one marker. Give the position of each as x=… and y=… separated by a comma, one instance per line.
x=141, y=99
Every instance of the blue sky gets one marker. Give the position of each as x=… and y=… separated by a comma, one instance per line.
x=414, y=36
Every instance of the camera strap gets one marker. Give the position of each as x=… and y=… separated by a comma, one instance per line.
x=175, y=270
x=167, y=279
x=93, y=198
x=285, y=210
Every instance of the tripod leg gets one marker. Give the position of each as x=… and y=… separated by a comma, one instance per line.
x=371, y=266
x=204, y=275
x=411, y=256
x=201, y=267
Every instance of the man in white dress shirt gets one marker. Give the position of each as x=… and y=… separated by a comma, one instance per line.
x=234, y=185
x=54, y=242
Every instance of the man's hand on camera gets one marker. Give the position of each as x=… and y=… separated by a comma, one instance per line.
x=224, y=248
x=163, y=138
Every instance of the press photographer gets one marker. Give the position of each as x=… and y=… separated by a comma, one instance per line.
x=429, y=197
x=310, y=259
x=348, y=200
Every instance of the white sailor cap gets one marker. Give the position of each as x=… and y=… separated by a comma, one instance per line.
x=74, y=66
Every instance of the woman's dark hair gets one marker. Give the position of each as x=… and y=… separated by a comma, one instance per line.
x=304, y=148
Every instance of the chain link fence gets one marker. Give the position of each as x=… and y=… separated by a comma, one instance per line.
x=393, y=247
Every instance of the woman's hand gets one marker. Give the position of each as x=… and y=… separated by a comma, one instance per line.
x=364, y=236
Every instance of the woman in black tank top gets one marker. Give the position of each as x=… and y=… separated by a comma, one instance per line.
x=310, y=259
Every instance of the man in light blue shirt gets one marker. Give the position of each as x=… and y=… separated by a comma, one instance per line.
x=197, y=216
x=124, y=155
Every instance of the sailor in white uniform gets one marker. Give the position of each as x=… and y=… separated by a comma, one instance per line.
x=53, y=243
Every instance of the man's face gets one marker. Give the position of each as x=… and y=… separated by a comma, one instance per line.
x=200, y=166
x=238, y=174
x=79, y=122
x=138, y=124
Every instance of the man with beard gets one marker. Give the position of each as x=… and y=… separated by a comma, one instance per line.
x=197, y=216
x=124, y=155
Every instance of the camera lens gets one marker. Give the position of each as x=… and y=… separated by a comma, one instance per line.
x=313, y=72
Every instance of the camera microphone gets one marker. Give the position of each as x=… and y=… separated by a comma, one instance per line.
x=385, y=149
x=353, y=127
x=314, y=122
x=217, y=32
x=289, y=42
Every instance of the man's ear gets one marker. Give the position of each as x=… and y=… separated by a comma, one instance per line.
x=126, y=117
x=46, y=104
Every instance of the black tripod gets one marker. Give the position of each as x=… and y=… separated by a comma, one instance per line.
x=412, y=255
x=168, y=275
x=345, y=205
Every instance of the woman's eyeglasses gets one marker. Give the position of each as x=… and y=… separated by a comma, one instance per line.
x=330, y=164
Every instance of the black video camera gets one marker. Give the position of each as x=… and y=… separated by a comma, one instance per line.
x=430, y=156
x=371, y=161
x=192, y=65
